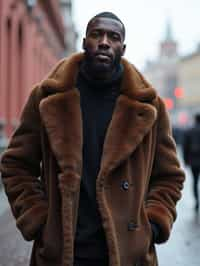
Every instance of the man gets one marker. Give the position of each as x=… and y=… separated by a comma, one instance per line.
x=191, y=152
x=91, y=173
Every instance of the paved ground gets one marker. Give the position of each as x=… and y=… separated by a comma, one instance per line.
x=14, y=251
x=183, y=248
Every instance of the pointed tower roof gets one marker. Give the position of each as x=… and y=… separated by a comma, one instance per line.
x=169, y=32
x=168, y=47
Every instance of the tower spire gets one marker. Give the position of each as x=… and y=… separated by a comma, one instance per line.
x=169, y=33
x=168, y=47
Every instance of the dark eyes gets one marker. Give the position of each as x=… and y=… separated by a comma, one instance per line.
x=115, y=36
x=95, y=34
x=111, y=35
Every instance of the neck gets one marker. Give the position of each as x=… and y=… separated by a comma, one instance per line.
x=101, y=77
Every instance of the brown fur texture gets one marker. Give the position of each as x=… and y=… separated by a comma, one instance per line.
x=138, y=148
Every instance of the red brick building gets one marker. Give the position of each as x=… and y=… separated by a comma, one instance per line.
x=31, y=42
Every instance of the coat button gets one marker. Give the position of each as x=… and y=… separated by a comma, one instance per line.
x=125, y=185
x=132, y=226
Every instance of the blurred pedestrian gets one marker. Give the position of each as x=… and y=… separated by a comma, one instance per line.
x=91, y=172
x=191, y=151
x=178, y=135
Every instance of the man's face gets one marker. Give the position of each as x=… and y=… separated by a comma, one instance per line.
x=104, y=44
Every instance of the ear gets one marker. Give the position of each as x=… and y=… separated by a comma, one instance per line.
x=83, y=44
x=123, y=49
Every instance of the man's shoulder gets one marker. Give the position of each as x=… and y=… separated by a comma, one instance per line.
x=62, y=74
x=38, y=90
x=64, y=64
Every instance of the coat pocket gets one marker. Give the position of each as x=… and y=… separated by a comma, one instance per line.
x=149, y=259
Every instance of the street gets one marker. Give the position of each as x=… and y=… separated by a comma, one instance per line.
x=182, y=249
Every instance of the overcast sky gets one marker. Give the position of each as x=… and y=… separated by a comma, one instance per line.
x=145, y=22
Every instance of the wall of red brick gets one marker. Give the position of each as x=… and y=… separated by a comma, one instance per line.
x=31, y=42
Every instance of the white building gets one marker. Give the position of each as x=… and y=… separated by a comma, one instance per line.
x=71, y=34
x=162, y=73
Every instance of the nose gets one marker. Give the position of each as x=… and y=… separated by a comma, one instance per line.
x=104, y=42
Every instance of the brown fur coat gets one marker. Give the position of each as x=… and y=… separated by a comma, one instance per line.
x=41, y=170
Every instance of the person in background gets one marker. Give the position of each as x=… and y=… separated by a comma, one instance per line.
x=191, y=152
x=91, y=172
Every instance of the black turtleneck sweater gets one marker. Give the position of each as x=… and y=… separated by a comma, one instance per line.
x=98, y=99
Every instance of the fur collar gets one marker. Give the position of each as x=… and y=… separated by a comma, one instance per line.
x=133, y=116
x=63, y=77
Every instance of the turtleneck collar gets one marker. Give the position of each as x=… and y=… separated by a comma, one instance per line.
x=101, y=83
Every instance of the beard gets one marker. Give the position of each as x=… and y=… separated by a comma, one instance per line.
x=96, y=67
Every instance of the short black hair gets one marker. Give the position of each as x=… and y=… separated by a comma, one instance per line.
x=106, y=15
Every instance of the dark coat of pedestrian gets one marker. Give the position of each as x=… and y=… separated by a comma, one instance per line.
x=191, y=151
x=62, y=135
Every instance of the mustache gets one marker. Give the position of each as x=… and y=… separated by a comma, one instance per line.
x=104, y=53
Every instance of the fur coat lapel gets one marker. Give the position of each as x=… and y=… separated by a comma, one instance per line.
x=133, y=116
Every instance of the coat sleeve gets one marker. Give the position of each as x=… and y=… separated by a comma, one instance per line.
x=166, y=181
x=20, y=169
